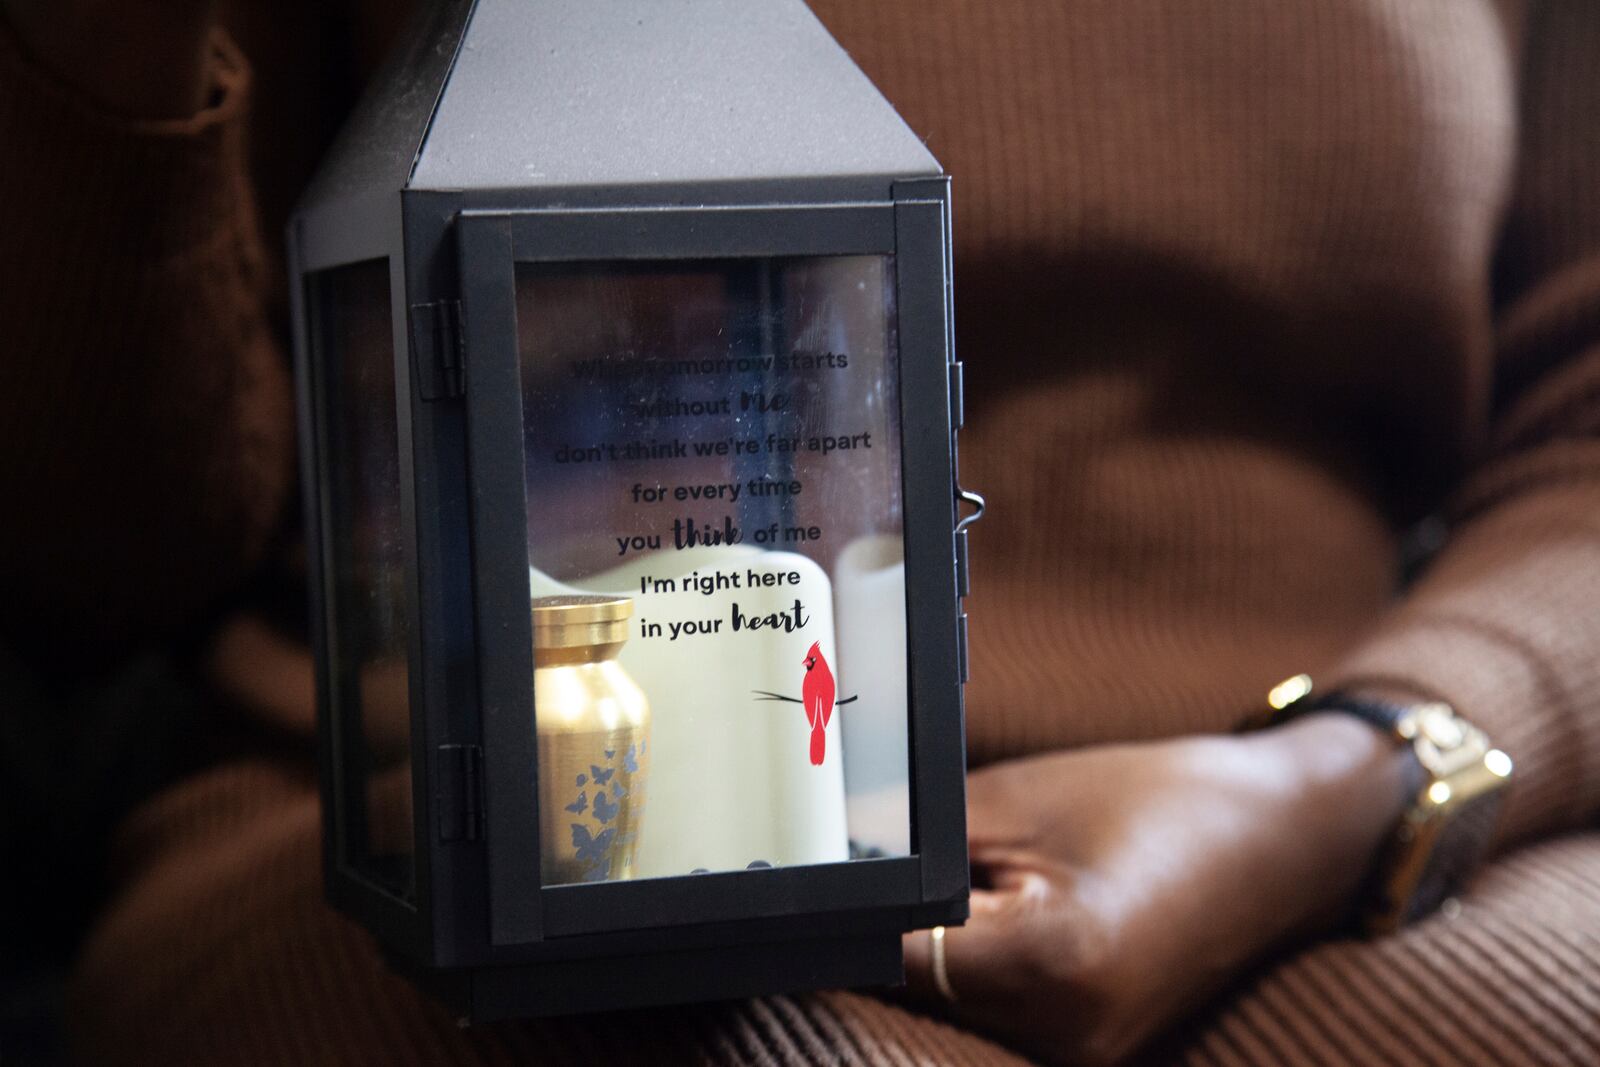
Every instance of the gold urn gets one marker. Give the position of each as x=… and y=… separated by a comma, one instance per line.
x=593, y=725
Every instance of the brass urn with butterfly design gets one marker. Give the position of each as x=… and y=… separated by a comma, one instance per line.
x=593, y=738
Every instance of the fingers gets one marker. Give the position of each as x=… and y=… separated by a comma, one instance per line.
x=979, y=958
x=1002, y=806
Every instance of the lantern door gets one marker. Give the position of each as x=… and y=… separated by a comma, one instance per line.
x=712, y=471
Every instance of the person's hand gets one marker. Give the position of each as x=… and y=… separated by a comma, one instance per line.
x=1116, y=887
x=138, y=58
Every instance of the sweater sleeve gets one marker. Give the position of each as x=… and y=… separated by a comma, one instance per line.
x=1505, y=623
x=144, y=404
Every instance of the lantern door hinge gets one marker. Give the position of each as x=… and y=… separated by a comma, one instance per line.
x=438, y=348
x=459, y=792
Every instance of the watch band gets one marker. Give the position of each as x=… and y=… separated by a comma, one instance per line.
x=1380, y=713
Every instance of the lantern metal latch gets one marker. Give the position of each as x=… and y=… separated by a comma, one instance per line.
x=437, y=349
x=459, y=790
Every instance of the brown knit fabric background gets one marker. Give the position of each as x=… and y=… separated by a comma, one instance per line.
x=1245, y=290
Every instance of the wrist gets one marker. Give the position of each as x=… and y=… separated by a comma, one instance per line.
x=1350, y=794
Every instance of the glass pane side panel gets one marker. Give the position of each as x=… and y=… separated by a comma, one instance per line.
x=368, y=633
x=716, y=551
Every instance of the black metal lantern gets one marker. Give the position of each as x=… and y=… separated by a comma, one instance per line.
x=628, y=409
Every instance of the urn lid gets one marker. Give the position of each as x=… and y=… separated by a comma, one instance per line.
x=578, y=621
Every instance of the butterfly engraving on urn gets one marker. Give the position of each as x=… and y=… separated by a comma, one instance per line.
x=591, y=849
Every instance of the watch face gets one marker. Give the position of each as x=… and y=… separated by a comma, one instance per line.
x=1458, y=848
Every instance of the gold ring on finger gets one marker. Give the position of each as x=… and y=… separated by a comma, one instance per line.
x=938, y=965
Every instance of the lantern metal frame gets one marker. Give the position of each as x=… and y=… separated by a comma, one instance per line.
x=480, y=928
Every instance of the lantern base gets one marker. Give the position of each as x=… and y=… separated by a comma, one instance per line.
x=572, y=987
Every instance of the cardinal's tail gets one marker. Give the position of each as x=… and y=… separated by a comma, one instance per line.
x=819, y=741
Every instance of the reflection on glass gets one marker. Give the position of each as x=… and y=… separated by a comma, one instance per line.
x=717, y=445
x=366, y=562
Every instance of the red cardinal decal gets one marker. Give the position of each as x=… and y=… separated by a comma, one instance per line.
x=817, y=693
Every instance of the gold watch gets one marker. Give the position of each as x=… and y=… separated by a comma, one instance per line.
x=1457, y=786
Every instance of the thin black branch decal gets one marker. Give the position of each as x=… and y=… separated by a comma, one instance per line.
x=764, y=695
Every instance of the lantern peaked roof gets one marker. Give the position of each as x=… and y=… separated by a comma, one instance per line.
x=561, y=95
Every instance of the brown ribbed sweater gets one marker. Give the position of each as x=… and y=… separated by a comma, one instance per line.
x=1245, y=290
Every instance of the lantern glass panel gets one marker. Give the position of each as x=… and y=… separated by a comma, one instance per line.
x=717, y=443
x=368, y=673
